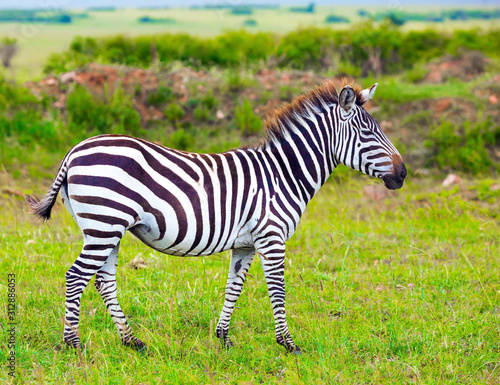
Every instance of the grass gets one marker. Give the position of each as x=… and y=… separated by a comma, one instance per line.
x=38, y=41
x=402, y=290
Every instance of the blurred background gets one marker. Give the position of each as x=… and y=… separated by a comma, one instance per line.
x=203, y=76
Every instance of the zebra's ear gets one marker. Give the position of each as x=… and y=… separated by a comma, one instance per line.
x=368, y=93
x=347, y=98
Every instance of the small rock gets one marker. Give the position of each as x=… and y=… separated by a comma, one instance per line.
x=493, y=99
x=219, y=114
x=451, y=179
x=495, y=187
x=138, y=263
x=442, y=105
x=30, y=242
x=68, y=77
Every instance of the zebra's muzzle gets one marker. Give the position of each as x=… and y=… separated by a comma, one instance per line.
x=396, y=180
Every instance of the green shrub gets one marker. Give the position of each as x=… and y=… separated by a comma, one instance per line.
x=306, y=48
x=345, y=68
x=201, y=113
x=241, y=10
x=416, y=74
x=148, y=19
x=162, y=95
x=246, y=120
x=308, y=9
x=209, y=100
x=24, y=125
x=235, y=80
x=90, y=115
x=331, y=19
x=181, y=140
x=174, y=113
x=464, y=149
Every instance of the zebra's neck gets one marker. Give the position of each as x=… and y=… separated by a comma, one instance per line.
x=303, y=155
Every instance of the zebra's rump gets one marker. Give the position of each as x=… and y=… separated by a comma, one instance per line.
x=176, y=202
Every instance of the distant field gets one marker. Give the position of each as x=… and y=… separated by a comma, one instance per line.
x=38, y=41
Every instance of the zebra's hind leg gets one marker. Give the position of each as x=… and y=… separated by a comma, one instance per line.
x=272, y=256
x=238, y=267
x=97, y=248
x=105, y=283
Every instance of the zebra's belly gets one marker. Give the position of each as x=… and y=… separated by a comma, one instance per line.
x=242, y=239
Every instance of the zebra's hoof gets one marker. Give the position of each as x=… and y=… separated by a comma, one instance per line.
x=136, y=344
x=224, y=338
x=297, y=351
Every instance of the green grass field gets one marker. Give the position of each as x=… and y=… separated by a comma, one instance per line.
x=38, y=41
x=402, y=290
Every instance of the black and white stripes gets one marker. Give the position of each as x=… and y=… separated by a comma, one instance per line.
x=187, y=204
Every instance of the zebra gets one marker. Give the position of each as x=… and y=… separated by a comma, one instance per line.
x=247, y=200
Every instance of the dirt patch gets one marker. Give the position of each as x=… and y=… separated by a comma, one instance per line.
x=465, y=67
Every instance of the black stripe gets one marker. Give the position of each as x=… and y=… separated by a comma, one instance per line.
x=110, y=220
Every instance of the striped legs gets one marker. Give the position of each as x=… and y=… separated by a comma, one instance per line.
x=105, y=283
x=272, y=256
x=98, y=245
x=238, y=267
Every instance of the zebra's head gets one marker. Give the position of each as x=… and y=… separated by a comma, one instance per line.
x=362, y=144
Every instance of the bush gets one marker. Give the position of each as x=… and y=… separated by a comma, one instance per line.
x=464, y=149
x=89, y=115
x=373, y=47
x=162, y=95
x=174, y=113
x=246, y=120
x=148, y=19
x=304, y=48
x=8, y=49
x=241, y=10
x=330, y=19
x=209, y=100
x=181, y=140
x=201, y=113
x=308, y=9
x=250, y=23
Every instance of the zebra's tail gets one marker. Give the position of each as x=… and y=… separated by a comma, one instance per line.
x=42, y=208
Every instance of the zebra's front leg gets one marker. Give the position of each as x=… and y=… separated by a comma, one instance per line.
x=272, y=256
x=238, y=268
x=105, y=283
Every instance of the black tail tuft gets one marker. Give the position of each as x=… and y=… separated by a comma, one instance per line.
x=41, y=208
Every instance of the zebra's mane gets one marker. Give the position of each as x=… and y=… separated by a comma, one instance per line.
x=278, y=122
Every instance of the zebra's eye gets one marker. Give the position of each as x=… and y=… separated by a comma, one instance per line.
x=367, y=132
